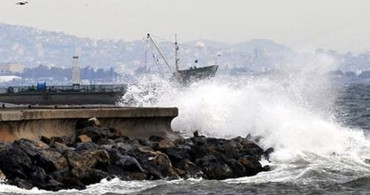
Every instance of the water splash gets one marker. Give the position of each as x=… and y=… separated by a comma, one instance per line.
x=290, y=108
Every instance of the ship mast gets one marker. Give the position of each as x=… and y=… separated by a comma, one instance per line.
x=159, y=51
x=176, y=55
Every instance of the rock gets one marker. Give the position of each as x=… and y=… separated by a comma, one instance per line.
x=21, y=183
x=199, y=141
x=92, y=176
x=116, y=133
x=176, y=154
x=83, y=138
x=60, y=147
x=65, y=162
x=86, y=146
x=29, y=147
x=76, y=163
x=190, y=168
x=135, y=176
x=84, y=123
x=95, y=158
x=15, y=163
x=237, y=168
x=124, y=148
x=3, y=148
x=214, y=168
x=155, y=162
x=94, y=121
x=105, y=141
x=252, y=166
x=2, y=176
x=122, y=139
x=129, y=163
x=155, y=138
x=68, y=140
x=165, y=143
x=51, y=160
x=44, y=139
x=267, y=153
x=95, y=133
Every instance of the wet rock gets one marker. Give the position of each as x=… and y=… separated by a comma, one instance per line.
x=135, y=176
x=123, y=139
x=252, y=166
x=165, y=143
x=105, y=141
x=65, y=162
x=176, y=154
x=45, y=139
x=94, y=122
x=95, y=158
x=83, y=138
x=214, y=168
x=266, y=153
x=29, y=147
x=68, y=140
x=51, y=160
x=86, y=146
x=155, y=162
x=84, y=123
x=21, y=183
x=124, y=148
x=60, y=147
x=237, y=168
x=95, y=133
x=116, y=133
x=2, y=175
x=92, y=176
x=15, y=163
x=76, y=163
x=129, y=163
x=190, y=168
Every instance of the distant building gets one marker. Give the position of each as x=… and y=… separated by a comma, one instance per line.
x=11, y=68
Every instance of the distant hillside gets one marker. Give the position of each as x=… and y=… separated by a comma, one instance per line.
x=33, y=47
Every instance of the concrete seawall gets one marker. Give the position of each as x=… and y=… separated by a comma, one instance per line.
x=31, y=123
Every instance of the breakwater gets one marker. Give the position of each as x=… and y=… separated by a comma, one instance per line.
x=34, y=122
x=95, y=153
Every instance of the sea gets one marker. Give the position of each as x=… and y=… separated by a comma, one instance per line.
x=318, y=125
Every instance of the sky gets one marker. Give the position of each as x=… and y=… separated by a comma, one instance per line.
x=304, y=25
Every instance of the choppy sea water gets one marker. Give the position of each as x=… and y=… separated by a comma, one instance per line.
x=318, y=129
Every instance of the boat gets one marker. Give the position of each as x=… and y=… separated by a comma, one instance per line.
x=186, y=76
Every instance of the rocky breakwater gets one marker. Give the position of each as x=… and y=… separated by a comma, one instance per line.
x=95, y=153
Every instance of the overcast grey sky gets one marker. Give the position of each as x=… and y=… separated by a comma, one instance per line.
x=305, y=25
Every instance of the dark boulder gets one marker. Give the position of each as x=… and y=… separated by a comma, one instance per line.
x=214, y=168
x=51, y=160
x=129, y=164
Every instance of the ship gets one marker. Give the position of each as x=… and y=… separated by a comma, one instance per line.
x=185, y=76
x=74, y=94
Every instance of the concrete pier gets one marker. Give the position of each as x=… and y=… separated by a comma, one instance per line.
x=33, y=122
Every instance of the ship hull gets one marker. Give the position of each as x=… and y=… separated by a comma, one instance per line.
x=195, y=74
